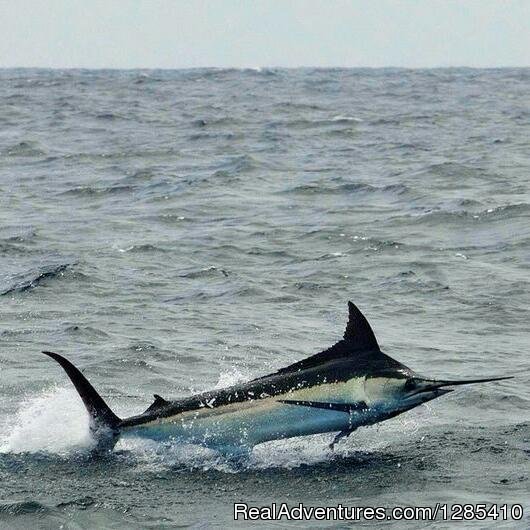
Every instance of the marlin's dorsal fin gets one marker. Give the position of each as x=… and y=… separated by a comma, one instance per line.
x=158, y=402
x=358, y=339
x=358, y=331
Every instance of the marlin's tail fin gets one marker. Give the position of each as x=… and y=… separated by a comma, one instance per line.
x=101, y=417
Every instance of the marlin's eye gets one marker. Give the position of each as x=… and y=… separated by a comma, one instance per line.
x=410, y=385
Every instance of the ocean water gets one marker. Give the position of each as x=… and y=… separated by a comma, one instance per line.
x=175, y=231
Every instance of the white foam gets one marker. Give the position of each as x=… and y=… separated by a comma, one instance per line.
x=232, y=377
x=151, y=456
x=346, y=118
x=55, y=421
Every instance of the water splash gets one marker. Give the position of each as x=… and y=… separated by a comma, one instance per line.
x=232, y=377
x=55, y=421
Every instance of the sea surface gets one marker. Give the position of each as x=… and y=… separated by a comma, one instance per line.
x=175, y=231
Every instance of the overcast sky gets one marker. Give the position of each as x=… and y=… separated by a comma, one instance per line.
x=252, y=33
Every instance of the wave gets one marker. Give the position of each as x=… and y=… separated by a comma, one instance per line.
x=82, y=191
x=26, y=148
x=344, y=188
x=300, y=106
x=204, y=273
x=346, y=119
x=320, y=188
x=32, y=278
x=141, y=154
x=216, y=136
x=110, y=116
x=221, y=121
x=240, y=164
x=80, y=502
x=220, y=291
x=440, y=216
x=88, y=332
x=308, y=123
x=22, y=508
x=18, y=232
x=9, y=248
x=142, y=248
x=412, y=282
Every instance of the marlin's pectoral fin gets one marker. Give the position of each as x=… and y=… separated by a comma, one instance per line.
x=340, y=436
x=349, y=408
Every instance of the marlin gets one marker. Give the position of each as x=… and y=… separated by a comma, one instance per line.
x=350, y=385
